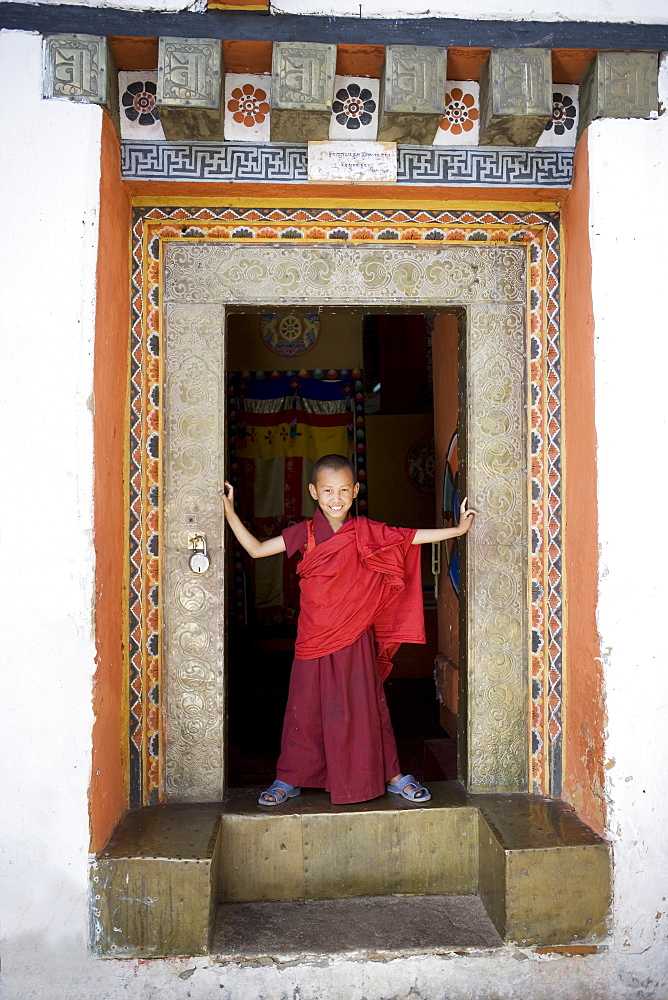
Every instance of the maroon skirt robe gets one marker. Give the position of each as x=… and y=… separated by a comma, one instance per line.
x=337, y=732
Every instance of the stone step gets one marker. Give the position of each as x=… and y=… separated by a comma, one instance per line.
x=541, y=874
x=369, y=926
x=544, y=876
x=307, y=848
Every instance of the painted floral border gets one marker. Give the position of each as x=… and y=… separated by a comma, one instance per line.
x=539, y=231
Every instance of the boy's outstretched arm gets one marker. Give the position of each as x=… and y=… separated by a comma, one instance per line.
x=253, y=546
x=466, y=515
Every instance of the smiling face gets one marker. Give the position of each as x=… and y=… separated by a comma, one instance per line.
x=335, y=491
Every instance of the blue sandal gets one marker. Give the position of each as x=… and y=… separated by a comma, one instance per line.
x=413, y=795
x=281, y=792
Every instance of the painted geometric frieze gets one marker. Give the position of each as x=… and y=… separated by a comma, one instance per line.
x=209, y=161
x=478, y=167
x=139, y=113
x=561, y=130
x=460, y=123
x=247, y=107
x=287, y=164
x=412, y=93
x=302, y=90
x=515, y=96
x=354, y=108
x=189, y=94
x=290, y=335
x=537, y=236
x=619, y=85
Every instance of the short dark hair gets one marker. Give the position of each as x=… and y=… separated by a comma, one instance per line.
x=335, y=463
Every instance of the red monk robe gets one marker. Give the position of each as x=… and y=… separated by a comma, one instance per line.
x=360, y=588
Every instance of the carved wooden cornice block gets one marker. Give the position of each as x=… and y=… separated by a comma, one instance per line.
x=619, y=85
x=190, y=76
x=413, y=86
x=81, y=68
x=515, y=96
x=302, y=90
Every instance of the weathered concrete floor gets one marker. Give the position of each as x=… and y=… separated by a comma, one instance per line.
x=367, y=924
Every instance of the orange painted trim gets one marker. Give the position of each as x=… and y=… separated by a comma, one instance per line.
x=583, y=685
x=360, y=60
x=570, y=65
x=465, y=64
x=174, y=193
x=247, y=57
x=569, y=950
x=134, y=54
x=238, y=5
x=108, y=792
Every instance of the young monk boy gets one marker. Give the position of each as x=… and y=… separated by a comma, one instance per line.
x=361, y=596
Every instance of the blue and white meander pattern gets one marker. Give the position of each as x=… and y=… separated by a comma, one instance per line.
x=498, y=166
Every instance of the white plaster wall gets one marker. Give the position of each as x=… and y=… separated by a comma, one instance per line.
x=197, y=6
x=629, y=224
x=641, y=11
x=49, y=180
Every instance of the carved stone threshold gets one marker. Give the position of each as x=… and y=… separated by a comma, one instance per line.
x=286, y=163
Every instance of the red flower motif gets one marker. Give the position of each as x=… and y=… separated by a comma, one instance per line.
x=248, y=106
x=460, y=114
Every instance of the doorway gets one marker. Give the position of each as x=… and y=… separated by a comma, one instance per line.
x=373, y=374
x=488, y=283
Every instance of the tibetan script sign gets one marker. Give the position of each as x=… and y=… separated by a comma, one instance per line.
x=352, y=162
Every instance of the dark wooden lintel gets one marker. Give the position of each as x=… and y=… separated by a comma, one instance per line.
x=69, y=19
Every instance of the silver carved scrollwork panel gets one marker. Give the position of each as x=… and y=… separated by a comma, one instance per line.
x=490, y=283
x=344, y=275
x=497, y=570
x=193, y=604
